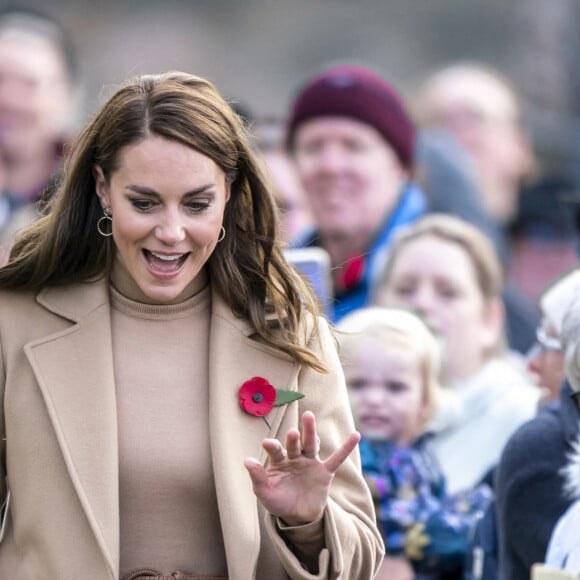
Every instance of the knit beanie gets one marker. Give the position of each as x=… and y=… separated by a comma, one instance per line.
x=358, y=93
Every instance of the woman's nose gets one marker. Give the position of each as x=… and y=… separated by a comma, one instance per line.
x=534, y=357
x=423, y=300
x=171, y=231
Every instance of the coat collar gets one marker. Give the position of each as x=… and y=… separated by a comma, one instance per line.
x=74, y=370
x=75, y=301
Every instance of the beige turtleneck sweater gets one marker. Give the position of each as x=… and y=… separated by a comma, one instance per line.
x=168, y=506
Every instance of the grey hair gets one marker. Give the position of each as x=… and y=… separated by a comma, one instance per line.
x=570, y=337
x=571, y=343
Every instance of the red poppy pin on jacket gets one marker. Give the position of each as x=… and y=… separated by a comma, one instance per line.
x=258, y=396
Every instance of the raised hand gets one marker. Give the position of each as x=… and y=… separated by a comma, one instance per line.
x=295, y=483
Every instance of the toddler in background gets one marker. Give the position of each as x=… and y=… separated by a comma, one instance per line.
x=392, y=361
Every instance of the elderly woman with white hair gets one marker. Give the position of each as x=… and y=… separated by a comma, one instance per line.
x=546, y=357
x=538, y=478
x=564, y=550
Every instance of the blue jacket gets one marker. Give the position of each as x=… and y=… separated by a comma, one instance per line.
x=410, y=206
x=418, y=518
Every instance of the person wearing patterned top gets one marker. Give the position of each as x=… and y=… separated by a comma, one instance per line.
x=392, y=362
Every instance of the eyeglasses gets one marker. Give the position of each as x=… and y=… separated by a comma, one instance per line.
x=544, y=342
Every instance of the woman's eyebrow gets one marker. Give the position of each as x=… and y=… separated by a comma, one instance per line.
x=143, y=190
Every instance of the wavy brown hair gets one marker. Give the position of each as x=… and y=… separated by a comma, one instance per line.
x=248, y=268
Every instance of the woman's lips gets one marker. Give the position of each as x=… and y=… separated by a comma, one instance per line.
x=165, y=265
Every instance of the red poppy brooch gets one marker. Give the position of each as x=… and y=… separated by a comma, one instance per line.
x=258, y=396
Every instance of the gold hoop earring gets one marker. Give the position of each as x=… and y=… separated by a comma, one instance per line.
x=105, y=219
x=222, y=234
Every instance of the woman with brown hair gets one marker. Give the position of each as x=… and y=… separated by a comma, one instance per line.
x=153, y=340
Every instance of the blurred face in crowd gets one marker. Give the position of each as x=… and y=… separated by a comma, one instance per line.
x=546, y=362
x=350, y=175
x=482, y=113
x=386, y=391
x=35, y=95
x=167, y=203
x=438, y=277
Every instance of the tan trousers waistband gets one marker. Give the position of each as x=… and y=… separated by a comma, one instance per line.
x=151, y=574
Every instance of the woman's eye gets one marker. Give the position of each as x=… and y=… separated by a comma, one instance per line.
x=142, y=204
x=197, y=206
x=405, y=291
x=448, y=293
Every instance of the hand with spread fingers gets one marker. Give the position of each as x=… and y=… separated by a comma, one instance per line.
x=295, y=483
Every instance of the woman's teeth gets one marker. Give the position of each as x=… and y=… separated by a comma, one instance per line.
x=166, y=257
x=165, y=262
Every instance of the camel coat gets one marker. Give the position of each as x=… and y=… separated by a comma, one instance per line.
x=58, y=452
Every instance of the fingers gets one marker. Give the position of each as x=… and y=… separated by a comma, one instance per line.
x=307, y=445
x=341, y=454
x=257, y=473
x=276, y=453
x=310, y=440
x=293, y=444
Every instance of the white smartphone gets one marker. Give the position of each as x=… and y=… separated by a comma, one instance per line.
x=314, y=264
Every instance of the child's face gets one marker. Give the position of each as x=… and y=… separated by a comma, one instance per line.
x=386, y=391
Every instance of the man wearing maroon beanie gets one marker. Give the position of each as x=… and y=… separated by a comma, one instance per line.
x=354, y=148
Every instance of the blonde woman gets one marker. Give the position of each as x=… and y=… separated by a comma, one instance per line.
x=448, y=270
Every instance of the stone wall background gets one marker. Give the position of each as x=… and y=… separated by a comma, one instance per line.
x=258, y=51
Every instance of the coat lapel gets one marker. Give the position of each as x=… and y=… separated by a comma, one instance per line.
x=74, y=370
x=235, y=435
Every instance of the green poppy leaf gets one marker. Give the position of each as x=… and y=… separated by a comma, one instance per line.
x=284, y=397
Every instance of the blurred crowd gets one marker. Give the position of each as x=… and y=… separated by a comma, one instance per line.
x=435, y=210
x=450, y=260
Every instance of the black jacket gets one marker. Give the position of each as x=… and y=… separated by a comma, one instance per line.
x=529, y=496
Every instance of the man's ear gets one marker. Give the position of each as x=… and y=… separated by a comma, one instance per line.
x=101, y=186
